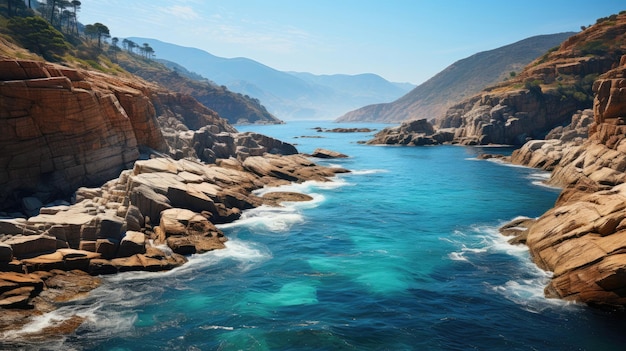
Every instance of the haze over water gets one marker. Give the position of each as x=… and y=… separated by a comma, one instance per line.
x=402, y=254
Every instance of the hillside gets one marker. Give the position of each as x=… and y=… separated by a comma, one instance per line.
x=234, y=107
x=286, y=95
x=545, y=95
x=460, y=80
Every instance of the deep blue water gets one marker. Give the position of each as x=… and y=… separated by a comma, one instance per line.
x=402, y=254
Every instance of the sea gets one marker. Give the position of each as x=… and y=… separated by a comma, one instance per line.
x=403, y=253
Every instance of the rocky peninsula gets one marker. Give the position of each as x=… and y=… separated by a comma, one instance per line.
x=105, y=174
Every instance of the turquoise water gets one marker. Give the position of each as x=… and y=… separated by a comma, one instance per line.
x=402, y=254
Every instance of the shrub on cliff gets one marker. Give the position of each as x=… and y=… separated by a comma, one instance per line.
x=38, y=36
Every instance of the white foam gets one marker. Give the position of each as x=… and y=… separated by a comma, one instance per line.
x=268, y=219
x=307, y=187
x=369, y=171
x=216, y=327
x=457, y=256
x=111, y=322
x=242, y=251
x=527, y=292
x=265, y=219
x=541, y=179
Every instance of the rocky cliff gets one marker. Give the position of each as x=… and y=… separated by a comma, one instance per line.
x=64, y=128
x=582, y=240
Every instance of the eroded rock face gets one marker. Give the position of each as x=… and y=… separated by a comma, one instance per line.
x=64, y=128
x=61, y=130
x=582, y=239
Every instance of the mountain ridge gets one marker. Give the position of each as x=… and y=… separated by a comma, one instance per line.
x=432, y=98
x=287, y=95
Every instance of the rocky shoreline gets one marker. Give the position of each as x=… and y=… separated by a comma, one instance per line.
x=147, y=219
x=582, y=240
x=145, y=175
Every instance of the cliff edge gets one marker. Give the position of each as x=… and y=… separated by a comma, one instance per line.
x=582, y=240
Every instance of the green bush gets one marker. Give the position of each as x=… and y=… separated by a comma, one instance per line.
x=534, y=86
x=595, y=47
x=38, y=36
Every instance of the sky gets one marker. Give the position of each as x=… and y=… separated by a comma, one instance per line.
x=400, y=40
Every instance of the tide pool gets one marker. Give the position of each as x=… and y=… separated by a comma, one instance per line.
x=401, y=254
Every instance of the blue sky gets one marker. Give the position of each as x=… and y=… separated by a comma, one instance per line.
x=401, y=40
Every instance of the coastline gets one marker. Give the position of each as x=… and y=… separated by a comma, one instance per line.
x=130, y=235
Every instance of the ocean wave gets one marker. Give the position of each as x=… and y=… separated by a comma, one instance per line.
x=541, y=179
x=266, y=219
x=369, y=171
x=525, y=288
x=115, y=321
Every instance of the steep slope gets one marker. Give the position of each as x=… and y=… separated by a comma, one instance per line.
x=463, y=78
x=236, y=108
x=545, y=94
x=285, y=95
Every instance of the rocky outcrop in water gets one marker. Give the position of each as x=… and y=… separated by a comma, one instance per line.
x=412, y=133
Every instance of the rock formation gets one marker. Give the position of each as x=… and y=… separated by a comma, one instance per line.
x=146, y=219
x=412, y=133
x=582, y=239
x=64, y=128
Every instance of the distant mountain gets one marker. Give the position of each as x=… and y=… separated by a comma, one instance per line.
x=232, y=106
x=287, y=95
x=458, y=81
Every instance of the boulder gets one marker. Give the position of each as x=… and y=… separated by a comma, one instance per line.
x=324, y=153
x=133, y=243
x=31, y=245
x=106, y=248
x=111, y=227
x=62, y=259
x=6, y=253
x=187, y=232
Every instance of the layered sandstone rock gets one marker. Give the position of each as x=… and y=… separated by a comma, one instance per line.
x=60, y=131
x=148, y=217
x=582, y=239
x=64, y=128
